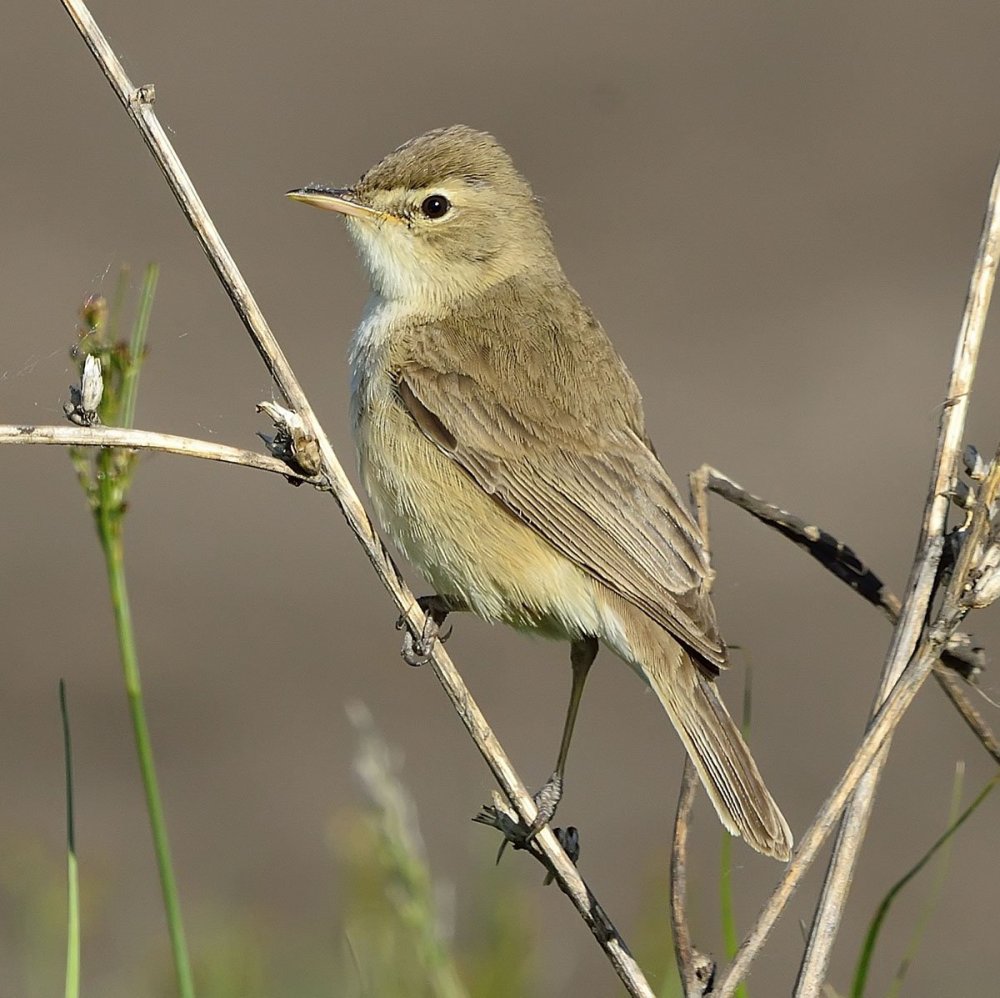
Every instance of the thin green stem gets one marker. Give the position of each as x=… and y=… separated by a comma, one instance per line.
x=137, y=345
x=72, y=873
x=72, y=928
x=109, y=529
x=118, y=303
x=730, y=938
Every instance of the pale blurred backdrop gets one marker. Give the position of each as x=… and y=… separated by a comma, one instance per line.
x=773, y=208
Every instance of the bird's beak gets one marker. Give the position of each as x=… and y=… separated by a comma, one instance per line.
x=340, y=199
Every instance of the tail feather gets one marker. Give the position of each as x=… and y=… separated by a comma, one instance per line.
x=719, y=753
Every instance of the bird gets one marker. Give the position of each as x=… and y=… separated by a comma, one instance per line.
x=502, y=443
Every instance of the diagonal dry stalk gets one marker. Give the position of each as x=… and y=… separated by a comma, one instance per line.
x=884, y=723
x=913, y=652
x=919, y=593
x=696, y=970
x=138, y=103
x=845, y=564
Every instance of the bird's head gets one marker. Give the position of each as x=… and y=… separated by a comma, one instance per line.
x=444, y=216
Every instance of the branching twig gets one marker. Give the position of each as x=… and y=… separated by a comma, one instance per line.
x=845, y=565
x=959, y=658
x=696, y=970
x=884, y=723
x=138, y=104
x=113, y=436
x=915, y=664
x=919, y=592
x=953, y=689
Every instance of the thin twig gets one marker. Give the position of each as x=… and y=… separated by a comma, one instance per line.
x=113, y=436
x=694, y=969
x=884, y=723
x=831, y=553
x=678, y=874
x=881, y=726
x=138, y=104
x=841, y=561
x=952, y=687
x=919, y=591
x=919, y=663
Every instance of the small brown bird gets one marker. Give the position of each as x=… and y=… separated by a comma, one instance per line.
x=503, y=445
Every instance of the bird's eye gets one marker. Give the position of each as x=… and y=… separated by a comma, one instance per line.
x=435, y=206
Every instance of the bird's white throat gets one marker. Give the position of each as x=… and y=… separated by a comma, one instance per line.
x=369, y=345
x=387, y=252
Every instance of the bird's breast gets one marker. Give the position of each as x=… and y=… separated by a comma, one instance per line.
x=461, y=538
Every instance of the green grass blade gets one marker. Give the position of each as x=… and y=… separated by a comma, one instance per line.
x=871, y=939
x=726, y=910
x=109, y=529
x=137, y=345
x=118, y=302
x=72, y=873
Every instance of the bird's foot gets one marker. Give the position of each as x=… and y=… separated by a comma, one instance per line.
x=417, y=649
x=518, y=835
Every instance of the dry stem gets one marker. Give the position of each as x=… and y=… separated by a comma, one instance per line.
x=113, y=436
x=906, y=666
x=841, y=561
x=695, y=969
x=920, y=590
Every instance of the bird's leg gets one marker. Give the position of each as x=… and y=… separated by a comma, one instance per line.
x=417, y=649
x=581, y=656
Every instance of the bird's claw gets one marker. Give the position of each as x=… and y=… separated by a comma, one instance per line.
x=417, y=649
x=517, y=834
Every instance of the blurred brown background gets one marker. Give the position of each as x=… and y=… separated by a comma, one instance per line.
x=773, y=209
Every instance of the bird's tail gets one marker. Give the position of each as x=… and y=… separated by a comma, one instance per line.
x=718, y=751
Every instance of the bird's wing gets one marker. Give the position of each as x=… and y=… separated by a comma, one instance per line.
x=601, y=498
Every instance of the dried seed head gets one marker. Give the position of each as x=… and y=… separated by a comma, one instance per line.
x=84, y=401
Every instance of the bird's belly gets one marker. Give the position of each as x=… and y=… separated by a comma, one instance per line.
x=462, y=539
